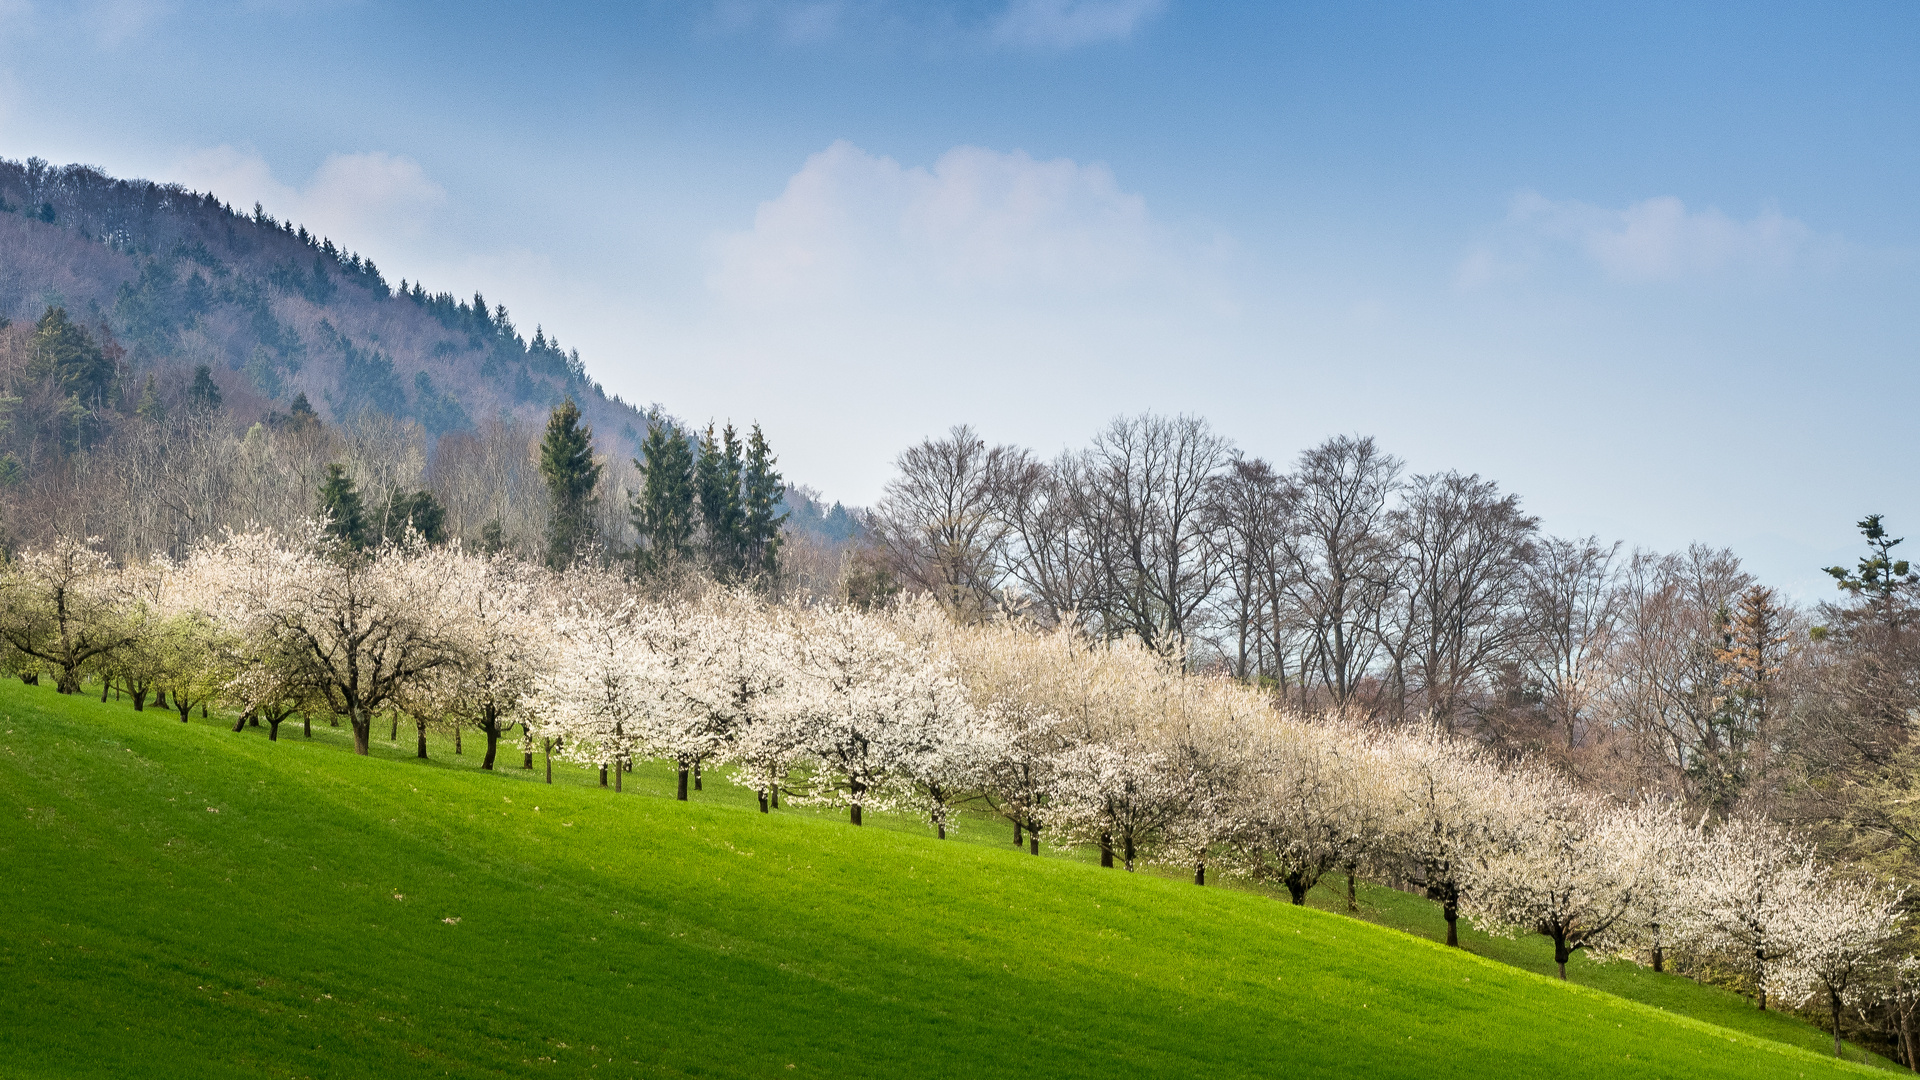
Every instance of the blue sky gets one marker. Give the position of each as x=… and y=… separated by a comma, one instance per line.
x=1652, y=266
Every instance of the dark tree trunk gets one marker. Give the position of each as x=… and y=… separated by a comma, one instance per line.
x=549, y=752
x=183, y=707
x=106, y=687
x=306, y=726
x=394, y=734
x=252, y=721
x=773, y=796
x=1906, y=1041
x=853, y=813
x=1033, y=837
x=139, y=700
x=1297, y=889
x=603, y=774
x=67, y=681
x=1353, y=897
x=618, y=768
x=1200, y=873
x=273, y=727
x=493, y=746
x=942, y=826
x=1760, y=984
x=456, y=738
x=362, y=733
x=31, y=678
x=1659, y=955
x=1106, y=850
x=680, y=793
x=1835, y=999
x=762, y=793
x=1129, y=852
x=420, y=729
x=240, y=722
x=1561, y=954
x=696, y=774
x=1018, y=840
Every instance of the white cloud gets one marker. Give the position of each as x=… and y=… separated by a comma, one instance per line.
x=853, y=224
x=1654, y=240
x=363, y=201
x=1065, y=24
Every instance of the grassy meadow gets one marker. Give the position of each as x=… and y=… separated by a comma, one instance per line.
x=181, y=900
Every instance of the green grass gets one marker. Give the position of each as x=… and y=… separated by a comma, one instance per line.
x=179, y=900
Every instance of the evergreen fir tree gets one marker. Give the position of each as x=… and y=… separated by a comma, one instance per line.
x=150, y=407
x=340, y=505
x=567, y=465
x=203, y=394
x=662, y=511
x=62, y=350
x=761, y=495
x=716, y=479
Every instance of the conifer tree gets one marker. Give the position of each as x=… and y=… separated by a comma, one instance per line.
x=340, y=503
x=567, y=465
x=662, y=511
x=150, y=407
x=204, y=393
x=761, y=495
x=63, y=350
x=716, y=480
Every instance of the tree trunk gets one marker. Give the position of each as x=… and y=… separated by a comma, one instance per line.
x=853, y=813
x=603, y=774
x=762, y=793
x=1561, y=954
x=420, y=728
x=1450, y=907
x=67, y=680
x=549, y=751
x=680, y=792
x=273, y=728
x=1033, y=836
x=1659, y=955
x=362, y=730
x=493, y=745
x=456, y=738
x=139, y=700
x=106, y=687
x=1297, y=889
x=773, y=796
x=1019, y=841
x=252, y=721
x=942, y=826
x=1200, y=872
x=1760, y=984
x=1129, y=852
x=1906, y=1040
x=183, y=707
x=618, y=768
x=1835, y=999
x=306, y=724
x=240, y=722
x=31, y=678
x=696, y=774
x=1106, y=850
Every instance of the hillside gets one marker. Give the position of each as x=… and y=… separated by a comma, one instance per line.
x=190, y=900
x=177, y=279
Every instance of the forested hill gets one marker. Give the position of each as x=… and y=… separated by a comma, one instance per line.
x=174, y=279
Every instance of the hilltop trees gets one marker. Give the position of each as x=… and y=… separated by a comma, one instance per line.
x=716, y=510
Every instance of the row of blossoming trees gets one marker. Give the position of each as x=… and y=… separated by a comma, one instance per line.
x=1079, y=743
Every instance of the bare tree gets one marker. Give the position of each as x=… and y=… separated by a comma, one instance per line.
x=1465, y=551
x=939, y=525
x=1151, y=482
x=1341, y=558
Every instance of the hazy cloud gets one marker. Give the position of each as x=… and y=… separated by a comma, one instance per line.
x=1654, y=240
x=359, y=200
x=852, y=223
x=1065, y=24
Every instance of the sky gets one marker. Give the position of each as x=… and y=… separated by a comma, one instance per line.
x=1653, y=266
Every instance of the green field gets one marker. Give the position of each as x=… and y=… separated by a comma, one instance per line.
x=183, y=901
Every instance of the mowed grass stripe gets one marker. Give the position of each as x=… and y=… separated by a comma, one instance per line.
x=185, y=901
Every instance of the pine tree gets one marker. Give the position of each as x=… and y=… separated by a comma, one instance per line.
x=62, y=350
x=761, y=495
x=567, y=465
x=204, y=393
x=662, y=511
x=150, y=407
x=716, y=479
x=340, y=505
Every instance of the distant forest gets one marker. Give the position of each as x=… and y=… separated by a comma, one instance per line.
x=170, y=365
